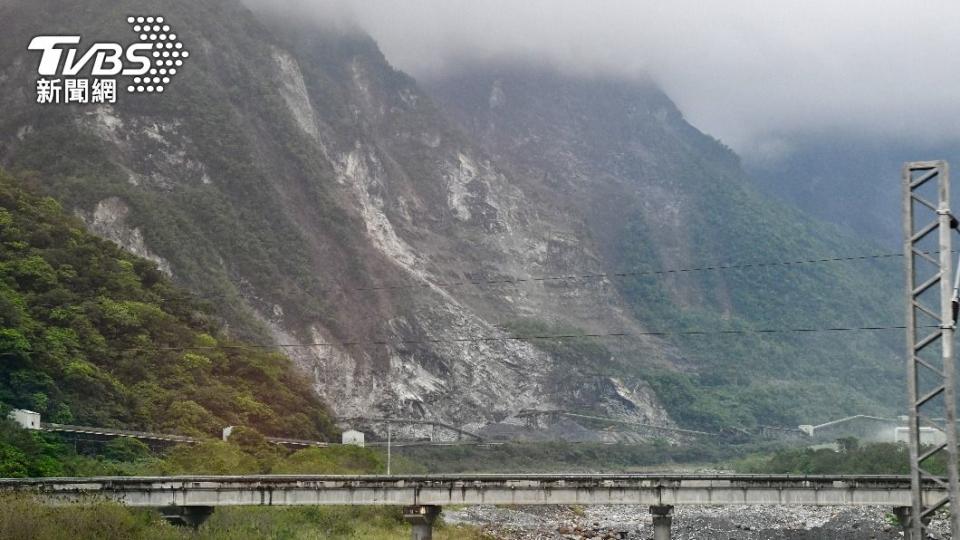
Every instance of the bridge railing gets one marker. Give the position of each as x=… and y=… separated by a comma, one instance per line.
x=189, y=499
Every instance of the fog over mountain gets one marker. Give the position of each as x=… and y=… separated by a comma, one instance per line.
x=754, y=74
x=587, y=239
x=391, y=232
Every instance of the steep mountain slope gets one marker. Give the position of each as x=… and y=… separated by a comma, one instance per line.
x=322, y=200
x=852, y=180
x=296, y=178
x=91, y=335
x=657, y=194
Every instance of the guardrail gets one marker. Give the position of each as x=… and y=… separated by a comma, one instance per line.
x=110, y=432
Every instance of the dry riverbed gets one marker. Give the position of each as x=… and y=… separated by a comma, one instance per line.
x=689, y=522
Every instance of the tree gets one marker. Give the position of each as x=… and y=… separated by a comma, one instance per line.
x=125, y=449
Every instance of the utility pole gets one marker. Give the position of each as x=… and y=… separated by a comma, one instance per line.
x=388, y=448
x=931, y=325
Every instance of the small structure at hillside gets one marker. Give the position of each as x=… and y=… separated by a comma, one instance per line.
x=928, y=435
x=872, y=429
x=352, y=436
x=863, y=427
x=26, y=419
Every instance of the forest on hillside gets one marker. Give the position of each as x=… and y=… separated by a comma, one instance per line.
x=92, y=335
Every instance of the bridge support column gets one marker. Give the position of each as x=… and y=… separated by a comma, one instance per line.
x=186, y=516
x=905, y=517
x=422, y=518
x=662, y=519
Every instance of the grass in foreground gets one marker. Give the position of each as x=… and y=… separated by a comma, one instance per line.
x=22, y=517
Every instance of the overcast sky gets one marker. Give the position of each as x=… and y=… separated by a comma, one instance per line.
x=752, y=73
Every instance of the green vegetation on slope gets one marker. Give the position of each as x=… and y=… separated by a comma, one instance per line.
x=26, y=453
x=90, y=334
x=777, y=378
x=553, y=457
x=850, y=457
x=226, y=221
x=657, y=196
x=726, y=395
x=780, y=378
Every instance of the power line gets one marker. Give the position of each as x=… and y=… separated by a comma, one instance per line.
x=543, y=279
x=590, y=276
x=481, y=339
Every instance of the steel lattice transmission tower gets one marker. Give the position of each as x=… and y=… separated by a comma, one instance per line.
x=931, y=325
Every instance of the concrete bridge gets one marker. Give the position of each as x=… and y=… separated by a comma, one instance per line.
x=190, y=499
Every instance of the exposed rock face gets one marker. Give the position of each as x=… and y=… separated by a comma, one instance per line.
x=323, y=200
x=294, y=92
x=109, y=221
x=665, y=210
x=312, y=128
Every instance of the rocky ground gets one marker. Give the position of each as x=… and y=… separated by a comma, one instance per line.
x=701, y=522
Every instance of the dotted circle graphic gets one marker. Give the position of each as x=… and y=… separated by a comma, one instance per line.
x=168, y=51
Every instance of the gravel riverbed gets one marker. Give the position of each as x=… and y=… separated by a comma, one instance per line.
x=689, y=522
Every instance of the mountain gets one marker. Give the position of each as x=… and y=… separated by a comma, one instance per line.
x=323, y=200
x=852, y=180
x=655, y=194
x=92, y=335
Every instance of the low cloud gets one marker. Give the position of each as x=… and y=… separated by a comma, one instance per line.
x=746, y=71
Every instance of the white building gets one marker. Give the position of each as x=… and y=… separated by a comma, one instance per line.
x=928, y=435
x=352, y=436
x=863, y=427
x=26, y=419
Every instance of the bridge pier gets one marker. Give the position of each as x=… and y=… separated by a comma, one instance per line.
x=662, y=519
x=421, y=517
x=186, y=516
x=905, y=517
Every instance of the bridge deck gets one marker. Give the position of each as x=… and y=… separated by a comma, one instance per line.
x=527, y=489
